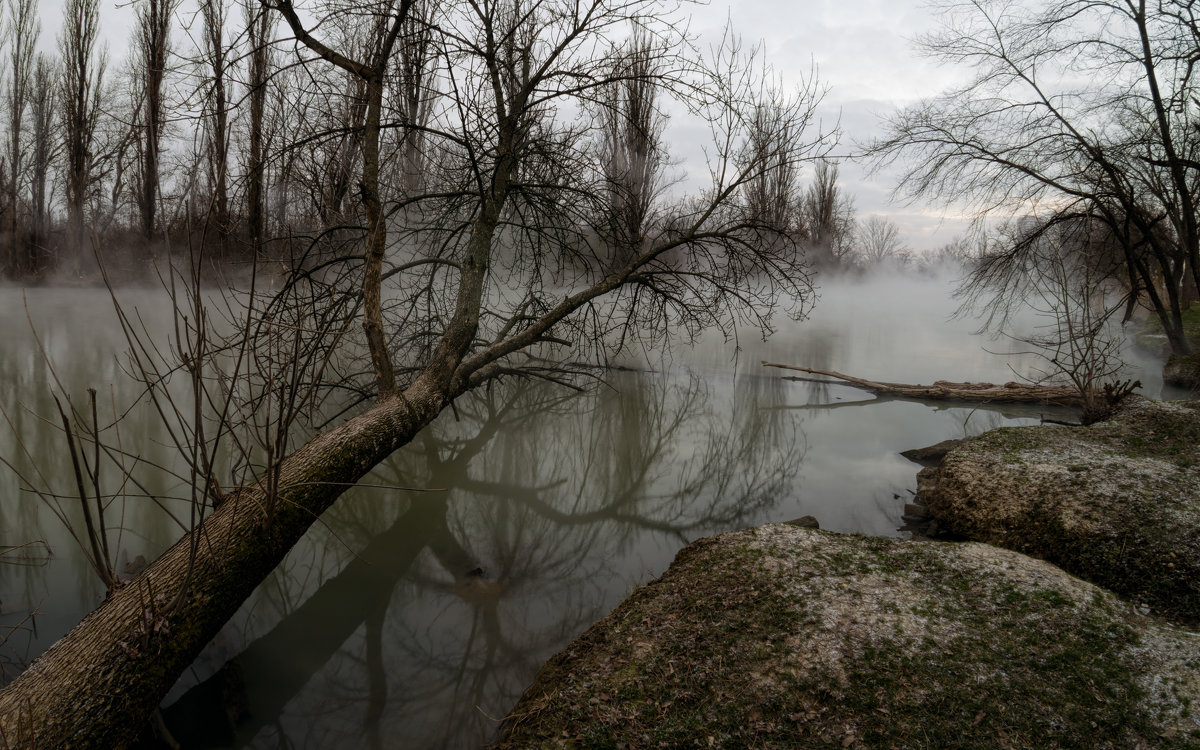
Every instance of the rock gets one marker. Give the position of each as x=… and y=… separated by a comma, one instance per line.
x=1116, y=503
x=805, y=522
x=784, y=637
x=931, y=455
x=1183, y=371
x=929, y=475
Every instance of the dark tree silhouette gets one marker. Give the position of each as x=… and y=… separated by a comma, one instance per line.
x=1076, y=110
x=83, y=76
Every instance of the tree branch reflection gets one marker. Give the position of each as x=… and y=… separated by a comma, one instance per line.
x=553, y=503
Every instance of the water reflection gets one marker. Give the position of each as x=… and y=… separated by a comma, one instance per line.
x=550, y=509
x=81, y=344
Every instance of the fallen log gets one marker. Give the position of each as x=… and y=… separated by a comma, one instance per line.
x=944, y=390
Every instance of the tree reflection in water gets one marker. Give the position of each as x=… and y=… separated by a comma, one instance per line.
x=553, y=507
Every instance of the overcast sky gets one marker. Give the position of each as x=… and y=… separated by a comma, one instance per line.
x=862, y=50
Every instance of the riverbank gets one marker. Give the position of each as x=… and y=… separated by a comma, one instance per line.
x=1116, y=503
x=779, y=636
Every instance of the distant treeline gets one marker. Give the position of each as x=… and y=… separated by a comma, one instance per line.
x=207, y=137
x=211, y=132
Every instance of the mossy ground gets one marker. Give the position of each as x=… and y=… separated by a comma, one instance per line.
x=1116, y=503
x=782, y=637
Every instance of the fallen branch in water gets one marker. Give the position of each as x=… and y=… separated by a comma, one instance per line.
x=947, y=391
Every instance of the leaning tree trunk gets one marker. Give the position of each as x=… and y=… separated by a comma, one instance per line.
x=98, y=685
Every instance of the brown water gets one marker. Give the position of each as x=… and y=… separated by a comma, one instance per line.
x=411, y=619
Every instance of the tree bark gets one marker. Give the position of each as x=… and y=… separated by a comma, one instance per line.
x=98, y=685
x=381, y=358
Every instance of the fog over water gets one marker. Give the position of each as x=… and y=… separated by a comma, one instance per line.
x=417, y=618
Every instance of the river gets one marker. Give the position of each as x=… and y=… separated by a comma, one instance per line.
x=415, y=617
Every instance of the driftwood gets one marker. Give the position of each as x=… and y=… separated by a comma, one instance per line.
x=943, y=390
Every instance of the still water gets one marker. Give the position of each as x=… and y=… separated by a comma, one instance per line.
x=416, y=619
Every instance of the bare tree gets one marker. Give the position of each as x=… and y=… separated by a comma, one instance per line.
x=371, y=71
x=83, y=75
x=1080, y=109
x=879, y=240
x=1068, y=282
x=153, y=39
x=631, y=148
x=22, y=30
x=498, y=281
x=333, y=158
x=259, y=28
x=216, y=53
x=954, y=256
x=771, y=192
x=826, y=214
x=43, y=101
x=413, y=91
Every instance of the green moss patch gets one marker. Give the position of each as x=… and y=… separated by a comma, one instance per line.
x=784, y=637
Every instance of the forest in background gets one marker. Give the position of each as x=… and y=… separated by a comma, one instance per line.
x=212, y=131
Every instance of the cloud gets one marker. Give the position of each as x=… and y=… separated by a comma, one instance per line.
x=864, y=52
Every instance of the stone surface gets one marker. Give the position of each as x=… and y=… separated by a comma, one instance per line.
x=806, y=522
x=931, y=455
x=1117, y=503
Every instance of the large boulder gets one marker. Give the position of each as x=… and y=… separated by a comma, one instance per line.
x=782, y=637
x=1116, y=503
